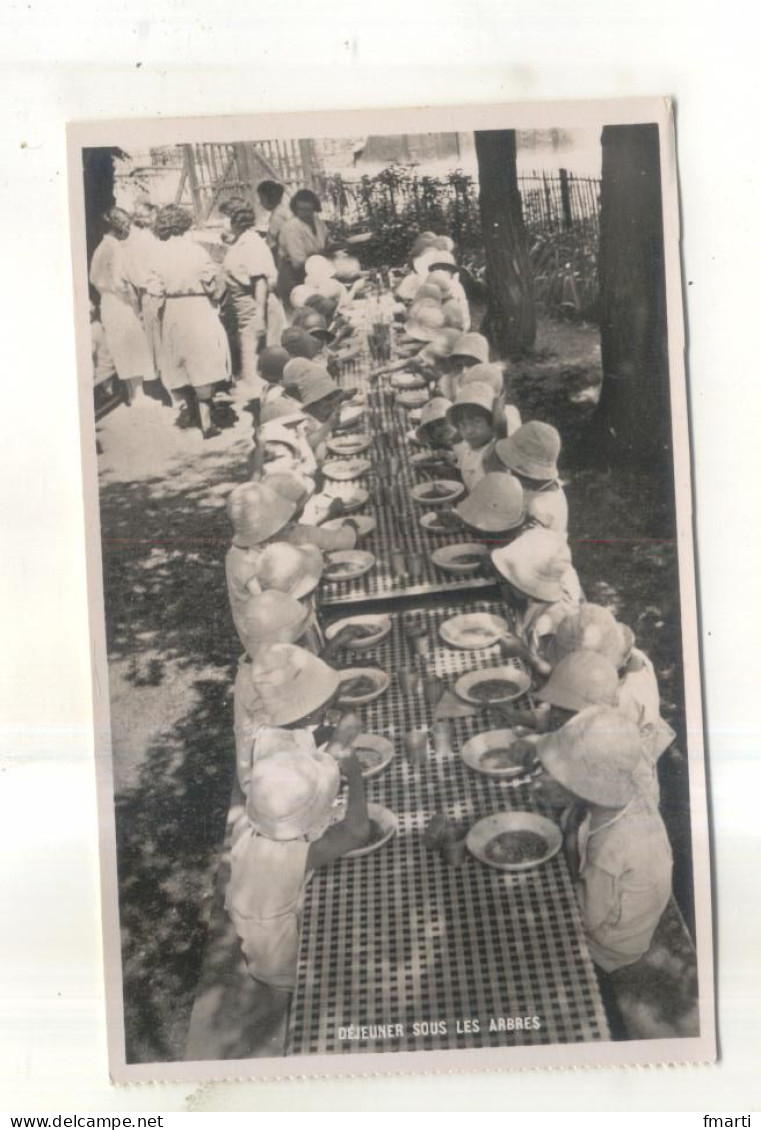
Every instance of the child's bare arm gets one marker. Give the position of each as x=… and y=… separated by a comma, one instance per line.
x=513, y=648
x=353, y=830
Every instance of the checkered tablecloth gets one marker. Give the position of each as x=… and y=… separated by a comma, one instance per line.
x=390, y=503
x=400, y=939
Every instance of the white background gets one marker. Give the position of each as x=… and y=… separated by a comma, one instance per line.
x=75, y=61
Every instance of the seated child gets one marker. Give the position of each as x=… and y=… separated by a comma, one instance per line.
x=271, y=617
x=541, y=585
x=468, y=350
x=623, y=855
x=321, y=277
x=298, y=343
x=444, y=272
x=281, y=699
x=428, y=360
x=296, y=570
x=594, y=628
x=472, y=415
x=436, y=434
x=531, y=454
x=589, y=627
x=283, y=836
x=507, y=418
x=579, y=680
x=494, y=509
x=424, y=321
x=280, y=450
x=303, y=531
x=257, y=514
x=640, y=697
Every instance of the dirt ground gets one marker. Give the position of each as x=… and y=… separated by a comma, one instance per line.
x=172, y=653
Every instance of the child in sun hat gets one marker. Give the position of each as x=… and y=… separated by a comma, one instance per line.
x=257, y=514
x=541, y=584
x=624, y=857
x=281, y=699
x=428, y=359
x=283, y=836
x=298, y=343
x=435, y=429
x=467, y=350
x=472, y=415
x=507, y=417
x=592, y=627
x=640, y=697
x=531, y=453
x=445, y=273
x=426, y=319
x=582, y=678
x=271, y=617
x=494, y=508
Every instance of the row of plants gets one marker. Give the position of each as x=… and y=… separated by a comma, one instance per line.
x=397, y=204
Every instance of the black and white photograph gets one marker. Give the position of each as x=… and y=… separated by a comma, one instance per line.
x=399, y=743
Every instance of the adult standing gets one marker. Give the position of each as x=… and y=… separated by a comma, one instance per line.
x=142, y=250
x=250, y=272
x=270, y=195
x=194, y=352
x=110, y=274
x=304, y=234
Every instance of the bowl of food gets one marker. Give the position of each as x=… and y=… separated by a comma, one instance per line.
x=439, y=492
x=353, y=497
x=464, y=557
x=345, y=470
x=360, y=685
x=367, y=631
x=364, y=523
x=431, y=457
x=383, y=825
x=413, y=397
x=473, y=630
x=493, y=684
x=441, y=522
x=347, y=564
x=491, y=753
x=373, y=753
x=349, y=416
x=514, y=841
x=354, y=443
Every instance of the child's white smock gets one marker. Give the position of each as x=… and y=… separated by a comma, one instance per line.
x=240, y=574
x=624, y=883
x=264, y=898
x=539, y=621
x=547, y=508
x=470, y=462
x=254, y=736
x=639, y=698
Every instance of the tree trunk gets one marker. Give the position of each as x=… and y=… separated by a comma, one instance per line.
x=510, y=321
x=98, y=174
x=632, y=424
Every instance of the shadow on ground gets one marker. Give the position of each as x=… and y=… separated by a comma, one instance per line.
x=170, y=638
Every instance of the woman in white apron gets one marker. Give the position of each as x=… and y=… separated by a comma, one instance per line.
x=195, y=355
x=120, y=307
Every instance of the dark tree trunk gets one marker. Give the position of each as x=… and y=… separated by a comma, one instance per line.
x=632, y=424
x=510, y=321
x=98, y=174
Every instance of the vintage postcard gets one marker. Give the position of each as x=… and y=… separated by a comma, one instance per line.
x=399, y=739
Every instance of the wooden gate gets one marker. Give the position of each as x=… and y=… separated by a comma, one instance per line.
x=214, y=172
